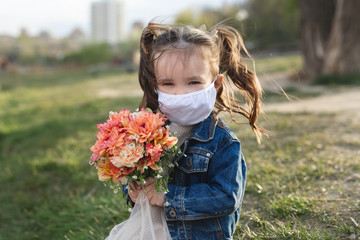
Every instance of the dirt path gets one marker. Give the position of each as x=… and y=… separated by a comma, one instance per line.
x=330, y=100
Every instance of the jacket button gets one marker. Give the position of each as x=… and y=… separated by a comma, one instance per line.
x=208, y=154
x=189, y=163
x=172, y=213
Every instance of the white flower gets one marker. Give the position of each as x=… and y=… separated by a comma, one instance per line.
x=161, y=170
x=136, y=137
x=134, y=177
x=166, y=191
x=146, y=167
x=116, y=190
x=111, y=113
x=130, y=209
x=158, y=176
x=171, y=165
x=166, y=204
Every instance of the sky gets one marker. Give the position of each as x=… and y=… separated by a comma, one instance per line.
x=62, y=16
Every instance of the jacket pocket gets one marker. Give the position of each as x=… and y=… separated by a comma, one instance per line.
x=196, y=160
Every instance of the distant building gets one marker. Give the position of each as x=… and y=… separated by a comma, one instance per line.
x=24, y=33
x=77, y=36
x=108, y=21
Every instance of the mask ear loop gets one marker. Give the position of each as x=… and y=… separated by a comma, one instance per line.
x=216, y=77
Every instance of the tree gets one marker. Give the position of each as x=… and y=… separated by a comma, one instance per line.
x=268, y=24
x=187, y=17
x=209, y=16
x=91, y=54
x=273, y=24
x=330, y=33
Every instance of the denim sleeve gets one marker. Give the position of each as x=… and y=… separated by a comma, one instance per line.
x=221, y=195
x=126, y=196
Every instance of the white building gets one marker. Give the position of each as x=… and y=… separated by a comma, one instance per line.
x=108, y=21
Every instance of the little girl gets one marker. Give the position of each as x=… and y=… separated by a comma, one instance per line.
x=190, y=75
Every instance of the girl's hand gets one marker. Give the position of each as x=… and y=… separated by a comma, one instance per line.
x=155, y=198
x=134, y=190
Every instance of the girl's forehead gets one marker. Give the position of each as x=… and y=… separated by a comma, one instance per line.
x=178, y=59
x=178, y=54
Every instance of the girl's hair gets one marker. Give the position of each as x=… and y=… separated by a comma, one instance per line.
x=222, y=47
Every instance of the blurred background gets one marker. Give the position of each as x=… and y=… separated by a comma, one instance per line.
x=42, y=35
x=65, y=64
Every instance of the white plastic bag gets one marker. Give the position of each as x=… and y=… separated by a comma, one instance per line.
x=146, y=222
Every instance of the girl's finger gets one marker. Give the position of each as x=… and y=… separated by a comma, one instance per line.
x=149, y=181
x=133, y=186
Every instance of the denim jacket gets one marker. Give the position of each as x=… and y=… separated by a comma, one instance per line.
x=207, y=186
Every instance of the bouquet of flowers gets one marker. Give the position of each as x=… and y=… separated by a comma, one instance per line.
x=133, y=146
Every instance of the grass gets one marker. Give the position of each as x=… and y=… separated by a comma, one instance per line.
x=291, y=94
x=48, y=190
x=302, y=181
x=273, y=64
x=351, y=79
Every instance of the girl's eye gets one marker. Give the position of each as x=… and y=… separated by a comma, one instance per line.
x=165, y=84
x=194, y=82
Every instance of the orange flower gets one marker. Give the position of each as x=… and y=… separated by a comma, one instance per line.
x=106, y=170
x=126, y=170
x=169, y=142
x=121, y=117
x=127, y=155
x=145, y=126
x=151, y=163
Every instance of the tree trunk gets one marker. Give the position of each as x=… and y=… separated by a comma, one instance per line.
x=330, y=33
x=343, y=50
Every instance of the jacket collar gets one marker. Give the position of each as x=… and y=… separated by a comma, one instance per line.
x=204, y=131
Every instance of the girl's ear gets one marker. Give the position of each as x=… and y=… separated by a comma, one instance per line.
x=218, y=81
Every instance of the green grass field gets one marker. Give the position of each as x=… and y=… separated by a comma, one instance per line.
x=303, y=181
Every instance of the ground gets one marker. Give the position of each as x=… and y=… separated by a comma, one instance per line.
x=330, y=100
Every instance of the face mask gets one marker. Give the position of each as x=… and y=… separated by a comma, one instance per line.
x=190, y=108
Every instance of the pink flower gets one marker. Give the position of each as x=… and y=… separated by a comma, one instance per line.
x=111, y=134
x=154, y=151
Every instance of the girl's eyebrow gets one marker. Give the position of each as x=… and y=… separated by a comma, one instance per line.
x=161, y=80
x=195, y=78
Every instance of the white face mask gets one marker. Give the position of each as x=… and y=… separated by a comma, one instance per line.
x=190, y=108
